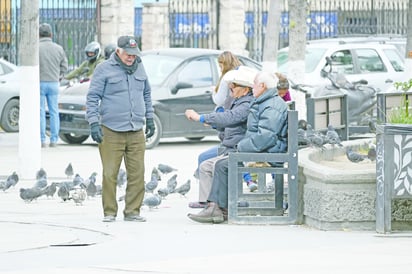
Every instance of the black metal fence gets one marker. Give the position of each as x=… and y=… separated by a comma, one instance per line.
x=74, y=24
x=194, y=23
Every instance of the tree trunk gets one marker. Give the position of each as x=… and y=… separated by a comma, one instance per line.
x=408, y=53
x=29, y=113
x=298, y=11
x=271, y=43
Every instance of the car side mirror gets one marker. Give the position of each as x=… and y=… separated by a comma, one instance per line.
x=180, y=85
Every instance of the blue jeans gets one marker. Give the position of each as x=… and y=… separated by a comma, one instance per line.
x=49, y=91
x=205, y=155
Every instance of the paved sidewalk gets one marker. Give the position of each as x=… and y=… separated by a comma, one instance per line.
x=51, y=236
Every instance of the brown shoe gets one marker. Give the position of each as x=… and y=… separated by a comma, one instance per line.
x=211, y=214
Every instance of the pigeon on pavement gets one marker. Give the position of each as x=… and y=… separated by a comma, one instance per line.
x=10, y=181
x=165, y=169
x=41, y=173
x=172, y=183
x=155, y=172
x=63, y=191
x=51, y=189
x=78, y=195
x=69, y=170
x=152, y=200
x=151, y=185
x=41, y=183
x=183, y=189
x=121, y=178
x=163, y=192
x=30, y=194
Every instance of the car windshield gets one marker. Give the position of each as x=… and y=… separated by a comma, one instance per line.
x=158, y=67
x=312, y=58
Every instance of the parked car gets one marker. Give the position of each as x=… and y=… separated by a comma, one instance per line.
x=381, y=64
x=9, y=96
x=180, y=78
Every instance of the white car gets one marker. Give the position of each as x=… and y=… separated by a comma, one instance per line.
x=9, y=96
x=381, y=64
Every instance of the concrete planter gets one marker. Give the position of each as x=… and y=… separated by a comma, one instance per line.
x=337, y=194
x=394, y=177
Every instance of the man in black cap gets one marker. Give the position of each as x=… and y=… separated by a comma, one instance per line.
x=118, y=106
x=52, y=66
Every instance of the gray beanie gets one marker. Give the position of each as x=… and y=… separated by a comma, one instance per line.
x=45, y=30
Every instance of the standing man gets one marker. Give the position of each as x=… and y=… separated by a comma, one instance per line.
x=117, y=106
x=53, y=64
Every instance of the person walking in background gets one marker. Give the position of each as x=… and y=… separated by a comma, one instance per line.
x=52, y=65
x=118, y=104
x=94, y=57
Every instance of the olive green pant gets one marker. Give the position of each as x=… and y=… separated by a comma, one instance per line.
x=117, y=146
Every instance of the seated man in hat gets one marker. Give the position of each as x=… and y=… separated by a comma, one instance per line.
x=231, y=123
x=266, y=132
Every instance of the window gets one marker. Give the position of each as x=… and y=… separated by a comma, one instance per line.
x=197, y=72
x=395, y=59
x=369, y=61
x=342, y=62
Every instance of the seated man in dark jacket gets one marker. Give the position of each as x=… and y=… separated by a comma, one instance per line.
x=266, y=132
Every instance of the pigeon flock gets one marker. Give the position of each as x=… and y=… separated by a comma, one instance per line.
x=155, y=192
x=307, y=136
x=78, y=189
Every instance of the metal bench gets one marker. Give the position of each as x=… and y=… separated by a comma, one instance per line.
x=267, y=207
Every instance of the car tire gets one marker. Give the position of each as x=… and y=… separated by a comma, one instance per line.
x=195, y=139
x=10, y=116
x=155, y=139
x=73, y=138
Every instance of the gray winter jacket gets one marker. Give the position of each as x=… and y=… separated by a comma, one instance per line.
x=118, y=100
x=231, y=122
x=266, y=125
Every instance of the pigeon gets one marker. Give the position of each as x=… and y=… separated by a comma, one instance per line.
x=372, y=152
x=78, y=195
x=51, y=189
x=332, y=136
x=155, y=172
x=315, y=138
x=183, y=189
x=41, y=173
x=90, y=184
x=10, y=181
x=302, y=138
x=151, y=185
x=30, y=194
x=163, y=192
x=172, y=183
x=69, y=170
x=354, y=156
x=63, y=191
x=165, y=169
x=41, y=183
x=77, y=180
x=121, y=178
x=152, y=200
x=302, y=124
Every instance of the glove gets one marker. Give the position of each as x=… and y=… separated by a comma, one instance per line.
x=97, y=134
x=150, y=127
